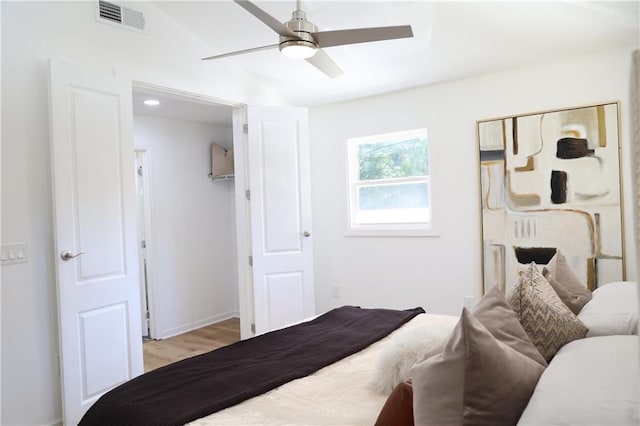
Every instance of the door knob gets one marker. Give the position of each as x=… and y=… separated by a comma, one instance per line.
x=306, y=233
x=66, y=255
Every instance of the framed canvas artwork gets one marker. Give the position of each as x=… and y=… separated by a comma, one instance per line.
x=551, y=181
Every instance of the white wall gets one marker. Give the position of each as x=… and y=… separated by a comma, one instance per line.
x=190, y=237
x=32, y=32
x=437, y=272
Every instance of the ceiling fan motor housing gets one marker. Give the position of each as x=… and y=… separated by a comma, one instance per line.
x=303, y=28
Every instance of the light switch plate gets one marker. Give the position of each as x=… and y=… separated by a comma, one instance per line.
x=13, y=253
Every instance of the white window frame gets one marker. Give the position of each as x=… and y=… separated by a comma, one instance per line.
x=353, y=228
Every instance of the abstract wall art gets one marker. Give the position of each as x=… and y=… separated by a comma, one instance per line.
x=551, y=181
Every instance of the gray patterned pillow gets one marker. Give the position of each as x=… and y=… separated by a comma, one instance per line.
x=549, y=323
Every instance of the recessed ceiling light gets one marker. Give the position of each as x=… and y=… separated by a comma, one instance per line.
x=152, y=102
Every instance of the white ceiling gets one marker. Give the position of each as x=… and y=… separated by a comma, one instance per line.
x=452, y=40
x=178, y=107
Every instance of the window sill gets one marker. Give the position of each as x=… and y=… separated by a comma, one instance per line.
x=389, y=232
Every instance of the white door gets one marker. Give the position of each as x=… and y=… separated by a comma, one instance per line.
x=95, y=226
x=280, y=205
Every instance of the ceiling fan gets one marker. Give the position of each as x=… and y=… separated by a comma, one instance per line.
x=300, y=38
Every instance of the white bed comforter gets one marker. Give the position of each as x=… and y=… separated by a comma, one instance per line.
x=339, y=395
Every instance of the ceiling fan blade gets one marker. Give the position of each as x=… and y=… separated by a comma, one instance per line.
x=324, y=63
x=240, y=52
x=361, y=35
x=267, y=19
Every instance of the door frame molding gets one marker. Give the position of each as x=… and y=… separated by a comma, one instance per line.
x=153, y=330
x=243, y=223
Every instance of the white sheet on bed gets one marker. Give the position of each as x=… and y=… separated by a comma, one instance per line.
x=340, y=394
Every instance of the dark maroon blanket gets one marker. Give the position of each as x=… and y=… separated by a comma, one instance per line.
x=199, y=386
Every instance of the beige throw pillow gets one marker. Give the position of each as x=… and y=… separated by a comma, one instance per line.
x=476, y=380
x=496, y=314
x=546, y=319
x=567, y=285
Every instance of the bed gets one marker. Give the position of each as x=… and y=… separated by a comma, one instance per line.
x=302, y=391
x=521, y=358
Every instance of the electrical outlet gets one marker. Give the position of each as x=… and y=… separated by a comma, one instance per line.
x=335, y=291
x=469, y=301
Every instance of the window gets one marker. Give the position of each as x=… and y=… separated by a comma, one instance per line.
x=389, y=184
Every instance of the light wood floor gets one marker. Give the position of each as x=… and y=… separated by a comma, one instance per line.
x=162, y=352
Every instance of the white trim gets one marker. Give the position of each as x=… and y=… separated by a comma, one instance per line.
x=635, y=142
x=390, y=230
x=153, y=313
x=194, y=97
x=197, y=324
x=243, y=223
x=1, y=351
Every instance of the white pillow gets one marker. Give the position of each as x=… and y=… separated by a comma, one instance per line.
x=425, y=335
x=612, y=310
x=590, y=382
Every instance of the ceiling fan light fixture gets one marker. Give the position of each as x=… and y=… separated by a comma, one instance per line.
x=298, y=49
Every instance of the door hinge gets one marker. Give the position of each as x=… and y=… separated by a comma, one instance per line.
x=147, y=315
x=253, y=328
x=250, y=260
x=245, y=128
x=247, y=194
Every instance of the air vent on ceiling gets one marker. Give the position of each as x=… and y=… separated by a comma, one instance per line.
x=115, y=14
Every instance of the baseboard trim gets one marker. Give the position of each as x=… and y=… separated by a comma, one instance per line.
x=196, y=324
x=56, y=422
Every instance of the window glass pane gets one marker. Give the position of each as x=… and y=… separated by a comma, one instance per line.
x=393, y=159
x=397, y=196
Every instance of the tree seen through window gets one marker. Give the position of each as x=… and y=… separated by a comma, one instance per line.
x=393, y=161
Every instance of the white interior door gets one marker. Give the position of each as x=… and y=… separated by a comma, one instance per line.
x=95, y=224
x=280, y=204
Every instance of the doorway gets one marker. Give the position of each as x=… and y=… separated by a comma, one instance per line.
x=187, y=235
